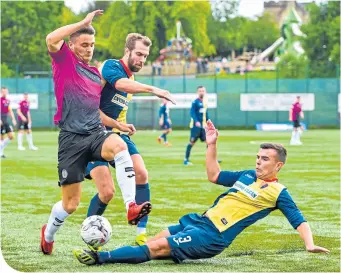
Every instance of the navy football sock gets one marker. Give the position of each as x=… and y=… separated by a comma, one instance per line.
x=96, y=207
x=126, y=254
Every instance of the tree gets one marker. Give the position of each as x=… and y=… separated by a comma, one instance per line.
x=24, y=28
x=261, y=33
x=322, y=43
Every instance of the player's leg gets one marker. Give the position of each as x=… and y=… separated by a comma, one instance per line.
x=166, y=132
x=193, y=138
x=142, y=195
x=113, y=148
x=29, y=138
x=3, y=132
x=20, y=136
x=128, y=254
x=7, y=140
x=72, y=161
x=71, y=194
x=100, y=173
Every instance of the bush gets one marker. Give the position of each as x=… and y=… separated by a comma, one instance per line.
x=292, y=67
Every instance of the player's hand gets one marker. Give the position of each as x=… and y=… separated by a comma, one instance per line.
x=290, y=119
x=29, y=125
x=160, y=122
x=24, y=119
x=88, y=19
x=14, y=122
x=211, y=133
x=127, y=128
x=161, y=93
x=198, y=124
x=318, y=249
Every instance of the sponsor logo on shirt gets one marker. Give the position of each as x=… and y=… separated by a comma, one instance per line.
x=120, y=100
x=245, y=189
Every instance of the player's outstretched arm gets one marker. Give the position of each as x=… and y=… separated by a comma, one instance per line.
x=55, y=39
x=134, y=87
x=212, y=165
x=307, y=237
x=110, y=122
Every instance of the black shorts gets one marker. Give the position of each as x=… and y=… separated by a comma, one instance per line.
x=6, y=128
x=75, y=151
x=296, y=123
x=22, y=125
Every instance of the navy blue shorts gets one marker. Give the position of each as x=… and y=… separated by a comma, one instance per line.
x=93, y=164
x=197, y=133
x=195, y=237
x=166, y=125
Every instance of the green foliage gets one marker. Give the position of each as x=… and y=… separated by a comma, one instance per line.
x=6, y=72
x=24, y=26
x=261, y=33
x=292, y=67
x=322, y=44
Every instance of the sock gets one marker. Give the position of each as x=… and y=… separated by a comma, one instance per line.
x=4, y=143
x=165, y=137
x=29, y=139
x=142, y=195
x=96, y=207
x=20, y=136
x=292, y=137
x=162, y=136
x=126, y=254
x=125, y=176
x=297, y=136
x=188, y=151
x=56, y=220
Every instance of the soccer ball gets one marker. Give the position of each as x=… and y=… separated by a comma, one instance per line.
x=96, y=231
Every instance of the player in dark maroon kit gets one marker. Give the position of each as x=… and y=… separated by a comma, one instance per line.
x=295, y=114
x=6, y=128
x=82, y=136
x=25, y=124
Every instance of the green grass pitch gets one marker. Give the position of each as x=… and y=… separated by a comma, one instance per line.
x=312, y=174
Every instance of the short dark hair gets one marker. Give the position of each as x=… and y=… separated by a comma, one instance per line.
x=200, y=86
x=87, y=30
x=133, y=37
x=3, y=87
x=281, y=151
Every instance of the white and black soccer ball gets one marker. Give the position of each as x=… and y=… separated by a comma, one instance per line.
x=96, y=231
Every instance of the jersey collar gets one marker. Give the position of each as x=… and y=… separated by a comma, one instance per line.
x=271, y=180
x=126, y=69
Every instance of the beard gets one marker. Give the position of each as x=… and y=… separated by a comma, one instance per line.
x=201, y=96
x=132, y=67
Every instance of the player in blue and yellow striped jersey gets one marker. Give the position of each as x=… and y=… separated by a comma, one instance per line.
x=199, y=116
x=119, y=87
x=164, y=122
x=252, y=195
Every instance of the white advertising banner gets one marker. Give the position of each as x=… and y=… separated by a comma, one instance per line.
x=183, y=100
x=275, y=102
x=16, y=98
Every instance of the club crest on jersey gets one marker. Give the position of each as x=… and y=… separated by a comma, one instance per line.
x=245, y=189
x=120, y=100
x=263, y=185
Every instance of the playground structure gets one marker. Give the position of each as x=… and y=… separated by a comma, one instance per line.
x=288, y=42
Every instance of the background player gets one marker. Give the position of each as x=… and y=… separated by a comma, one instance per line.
x=295, y=114
x=25, y=124
x=199, y=116
x=164, y=122
x=6, y=128
x=82, y=137
x=252, y=196
x=119, y=87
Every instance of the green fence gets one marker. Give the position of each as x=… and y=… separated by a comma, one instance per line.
x=227, y=113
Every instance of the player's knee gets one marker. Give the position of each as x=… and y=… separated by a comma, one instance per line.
x=159, y=248
x=11, y=137
x=70, y=205
x=107, y=195
x=119, y=146
x=141, y=176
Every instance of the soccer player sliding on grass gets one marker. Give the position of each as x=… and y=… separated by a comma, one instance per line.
x=253, y=194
